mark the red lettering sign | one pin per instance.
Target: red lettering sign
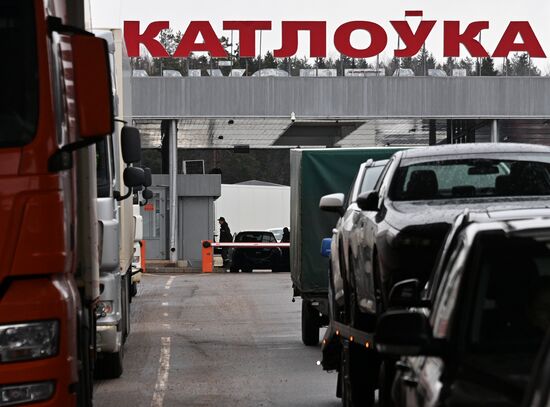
(518, 37)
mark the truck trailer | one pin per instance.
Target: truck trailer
(313, 174)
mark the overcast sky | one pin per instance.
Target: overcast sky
(112, 13)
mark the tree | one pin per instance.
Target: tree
(467, 64)
(320, 63)
(391, 67)
(449, 65)
(269, 61)
(343, 63)
(488, 67)
(170, 41)
(520, 65)
(422, 62)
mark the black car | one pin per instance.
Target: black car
(406, 217)
(247, 259)
(473, 335)
(538, 394)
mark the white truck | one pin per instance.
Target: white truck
(117, 225)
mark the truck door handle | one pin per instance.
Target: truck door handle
(410, 381)
(402, 366)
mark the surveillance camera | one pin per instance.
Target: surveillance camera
(292, 117)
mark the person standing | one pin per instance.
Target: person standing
(285, 257)
(225, 237)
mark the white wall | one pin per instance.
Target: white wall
(252, 207)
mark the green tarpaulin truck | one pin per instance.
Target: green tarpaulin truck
(313, 174)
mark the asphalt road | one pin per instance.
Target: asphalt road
(217, 340)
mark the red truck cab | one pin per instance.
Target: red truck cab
(46, 113)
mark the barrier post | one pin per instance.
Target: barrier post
(142, 255)
(207, 256)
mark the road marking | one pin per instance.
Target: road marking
(162, 376)
(165, 314)
(169, 283)
(164, 304)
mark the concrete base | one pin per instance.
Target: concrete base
(166, 267)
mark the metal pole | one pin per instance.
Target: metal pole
(494, 131)
(433, 133)
(479, 60)
(173, 191)
(260, 59)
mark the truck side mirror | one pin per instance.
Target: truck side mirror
(368, 201)
(333, 203)
(148, 178)
(130, 141)
(147, 194)
(92, 86)
(133, 177)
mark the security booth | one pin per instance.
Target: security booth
(195, 216)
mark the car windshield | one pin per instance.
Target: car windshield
(256, 237)
(470, 178)
(512, 304)
(18, 73)
(371, 178)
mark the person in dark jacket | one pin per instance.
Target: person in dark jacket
(286, 236)
(285, 258)
(225, 237)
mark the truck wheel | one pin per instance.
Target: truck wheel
(387, 375)
(109, 365)
(310, 324)
(358, 376)
(85, 372)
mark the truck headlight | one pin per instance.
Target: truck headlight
(17, 394)
(27, 341)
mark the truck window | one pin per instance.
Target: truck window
(19, 74)
(103, 170)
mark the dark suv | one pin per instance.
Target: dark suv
(472, 337)
(247, 259)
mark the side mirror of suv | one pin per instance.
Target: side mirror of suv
(406, 333)
(333, 203)
(405, 294)
(368, 201)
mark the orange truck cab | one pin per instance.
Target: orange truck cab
(55, 105)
